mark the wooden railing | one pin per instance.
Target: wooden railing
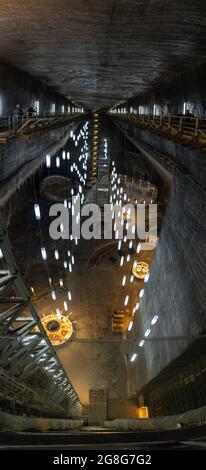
(21, 126)
(188, 130)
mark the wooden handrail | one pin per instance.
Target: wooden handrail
(187, 129)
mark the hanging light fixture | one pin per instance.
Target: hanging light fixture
(48, 161)
(141, 293)
(130, 326)
(126, 300)
(154, 320)
(37, 211)
(124, 280)
(44, 253)
(53, 294)
(134, 356)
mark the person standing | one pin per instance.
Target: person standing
(17, 115)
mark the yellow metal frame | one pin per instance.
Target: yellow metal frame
(63, 333)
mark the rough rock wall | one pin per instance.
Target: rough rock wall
(177, 285)
(17, 86)
(12, 423)
(186, 87)
(191, 162)
(19, 160)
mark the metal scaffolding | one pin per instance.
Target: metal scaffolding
(24, 345)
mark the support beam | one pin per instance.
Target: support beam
(24, 354)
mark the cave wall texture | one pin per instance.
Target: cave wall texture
(19, 160)
(177, 285)
(187, 87)
(17, 86)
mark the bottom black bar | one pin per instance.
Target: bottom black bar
(93, 458)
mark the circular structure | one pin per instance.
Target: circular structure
(140, 270)
(56, 188)
(53, 325)
(59, 330)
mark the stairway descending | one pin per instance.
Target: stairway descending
(103, 178)
(100, 191)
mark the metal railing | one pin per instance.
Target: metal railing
(188, 130)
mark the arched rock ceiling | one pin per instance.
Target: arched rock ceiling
(101, 52)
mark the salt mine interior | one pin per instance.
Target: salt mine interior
(102, 337)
